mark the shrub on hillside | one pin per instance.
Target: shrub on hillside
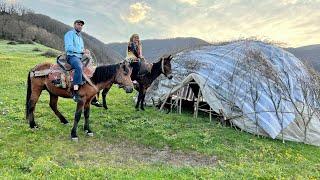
(50, 53)
(36, 49)
(25, 41)
(12, 43)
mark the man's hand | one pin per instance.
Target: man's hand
(86, 51)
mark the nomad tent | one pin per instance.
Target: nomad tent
(257, 86)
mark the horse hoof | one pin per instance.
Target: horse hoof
(74, 139)
(34, 128)
(90, 134)
(142, 109)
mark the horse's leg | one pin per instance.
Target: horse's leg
(104, 101)
(86, 126)
(138, 101)
(77, 116)
(140, 93)
(142, 99)
(98, 95)
(36, 92)
(53, 105)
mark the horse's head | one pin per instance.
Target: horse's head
(166, 66)
(123, 77)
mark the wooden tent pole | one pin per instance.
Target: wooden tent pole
(180, 100)
(197, 104)
(165, 100)
(210, 114)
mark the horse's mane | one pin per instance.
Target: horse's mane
(104, 73)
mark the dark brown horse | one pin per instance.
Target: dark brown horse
(103, 77)
(163, 66)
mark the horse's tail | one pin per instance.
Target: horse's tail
(28, 94)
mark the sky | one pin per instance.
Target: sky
(293, 22)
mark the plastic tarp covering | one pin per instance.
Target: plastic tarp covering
(225, 83)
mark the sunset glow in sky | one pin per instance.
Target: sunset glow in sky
(294, 22)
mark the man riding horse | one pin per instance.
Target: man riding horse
(74, 47)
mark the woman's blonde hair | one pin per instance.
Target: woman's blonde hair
(133, 36)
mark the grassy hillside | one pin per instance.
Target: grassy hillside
(129, 144)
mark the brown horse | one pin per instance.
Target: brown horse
(163, 66)
(103, 77)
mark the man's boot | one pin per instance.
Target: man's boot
(76, 97)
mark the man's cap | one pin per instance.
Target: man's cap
(79, 21)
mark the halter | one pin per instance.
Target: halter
(162, 65)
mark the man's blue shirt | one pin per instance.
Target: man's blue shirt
(73, 43)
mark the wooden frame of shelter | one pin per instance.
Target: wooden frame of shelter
(185, 92)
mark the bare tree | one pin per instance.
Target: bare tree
(252, 65)
(271, 84)
(310, 94)
(280, 89)
(3, 7)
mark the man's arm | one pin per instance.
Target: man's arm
(68, 42)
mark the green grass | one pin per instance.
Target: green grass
(123, 138)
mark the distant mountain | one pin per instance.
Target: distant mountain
(309, 54)
(153, 49)
(20, 24)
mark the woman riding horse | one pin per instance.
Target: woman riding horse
(163, 66)
(139, 72)
(135, 57)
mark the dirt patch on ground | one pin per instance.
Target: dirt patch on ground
(126, 153)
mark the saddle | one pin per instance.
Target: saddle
(146, 66)
(61, 73)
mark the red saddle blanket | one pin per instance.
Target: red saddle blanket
(63, 79)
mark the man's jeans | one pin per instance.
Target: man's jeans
(76, 64)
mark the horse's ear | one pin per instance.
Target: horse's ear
(170, 57)
(124, 67)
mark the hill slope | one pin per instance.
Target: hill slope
(50, 32)
(309, 54)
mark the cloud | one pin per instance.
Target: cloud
(11, 1)
(222, 21)
(137, 12)
(217, 20)
(191, 2)
(295, 2)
